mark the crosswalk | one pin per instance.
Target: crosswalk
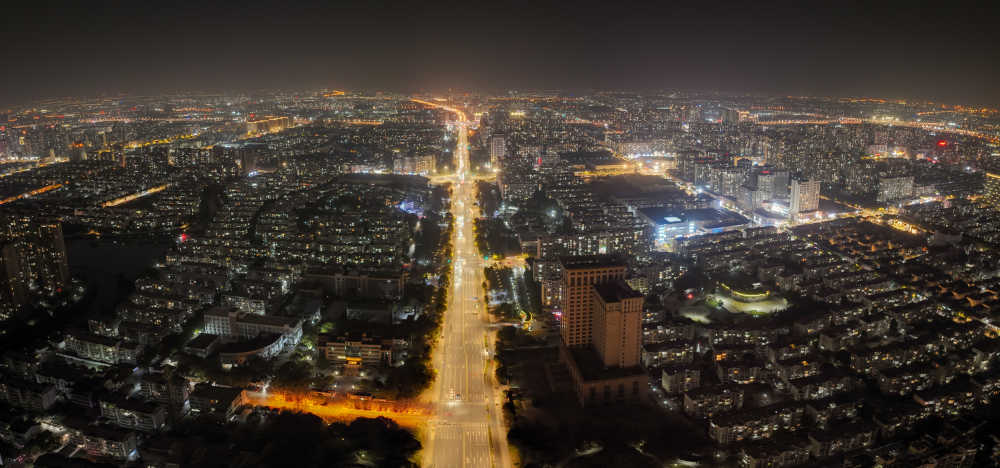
(462, 445)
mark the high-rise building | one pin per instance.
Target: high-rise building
(729, 181)
(249, 157)
(602, 331)
(32, 261)
(498, 148)
(805, 197)
(779, 183)
(53, 268)
(13, 282)
(750, 197)
(580, 274)
(617, 323)
(991, 189)
(772, 182)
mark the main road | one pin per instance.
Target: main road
(468, 429)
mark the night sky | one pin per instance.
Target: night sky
(943, 51)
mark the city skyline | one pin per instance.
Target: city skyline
(499, 236)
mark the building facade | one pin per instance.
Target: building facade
(805, 196)
(580, 274)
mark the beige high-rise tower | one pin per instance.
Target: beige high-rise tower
(580, 274)
(602, 331)
(617, 324)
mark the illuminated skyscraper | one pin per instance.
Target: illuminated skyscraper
(805, 197)
(498, 148)
(580, 274)
(991, 189)
(13, 283)
(617, 323)
(602, 331)
(34, 259)
(52, 271)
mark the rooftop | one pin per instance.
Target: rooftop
(709, 217)
(202, 341)
(591, 261)
(615, 291)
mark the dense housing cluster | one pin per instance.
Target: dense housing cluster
(778, 281)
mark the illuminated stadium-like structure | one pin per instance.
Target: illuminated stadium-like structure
(744, 293)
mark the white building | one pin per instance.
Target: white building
(805, 196)
(233, 324)
(498, 148)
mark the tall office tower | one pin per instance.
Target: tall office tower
(750, 197)
(779, 183)
(580, 274)
(248, 159)
(13, 279)
(498, 148)
(773, 182)
(34, 256)
(602, 331)
(991, 190)
(617, 323)
(730, 180)
(805, 197)
(53, 267)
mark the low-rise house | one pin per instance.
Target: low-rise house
(102, 441)
(18, 430)
(710, 401)
(821, 386)
(756, 424)
(667, 353)
(102, 349)
(133, 414)
(218, 401)
(27, 394)
(895, 418)
(679, 379)
(841, 439)
(173, 391)
(824, 412)
(745, 370)
(203, 345)
(779, 452)
(912, 378)
(360, 351)
(798, 367)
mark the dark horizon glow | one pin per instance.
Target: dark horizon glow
(928, 53)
